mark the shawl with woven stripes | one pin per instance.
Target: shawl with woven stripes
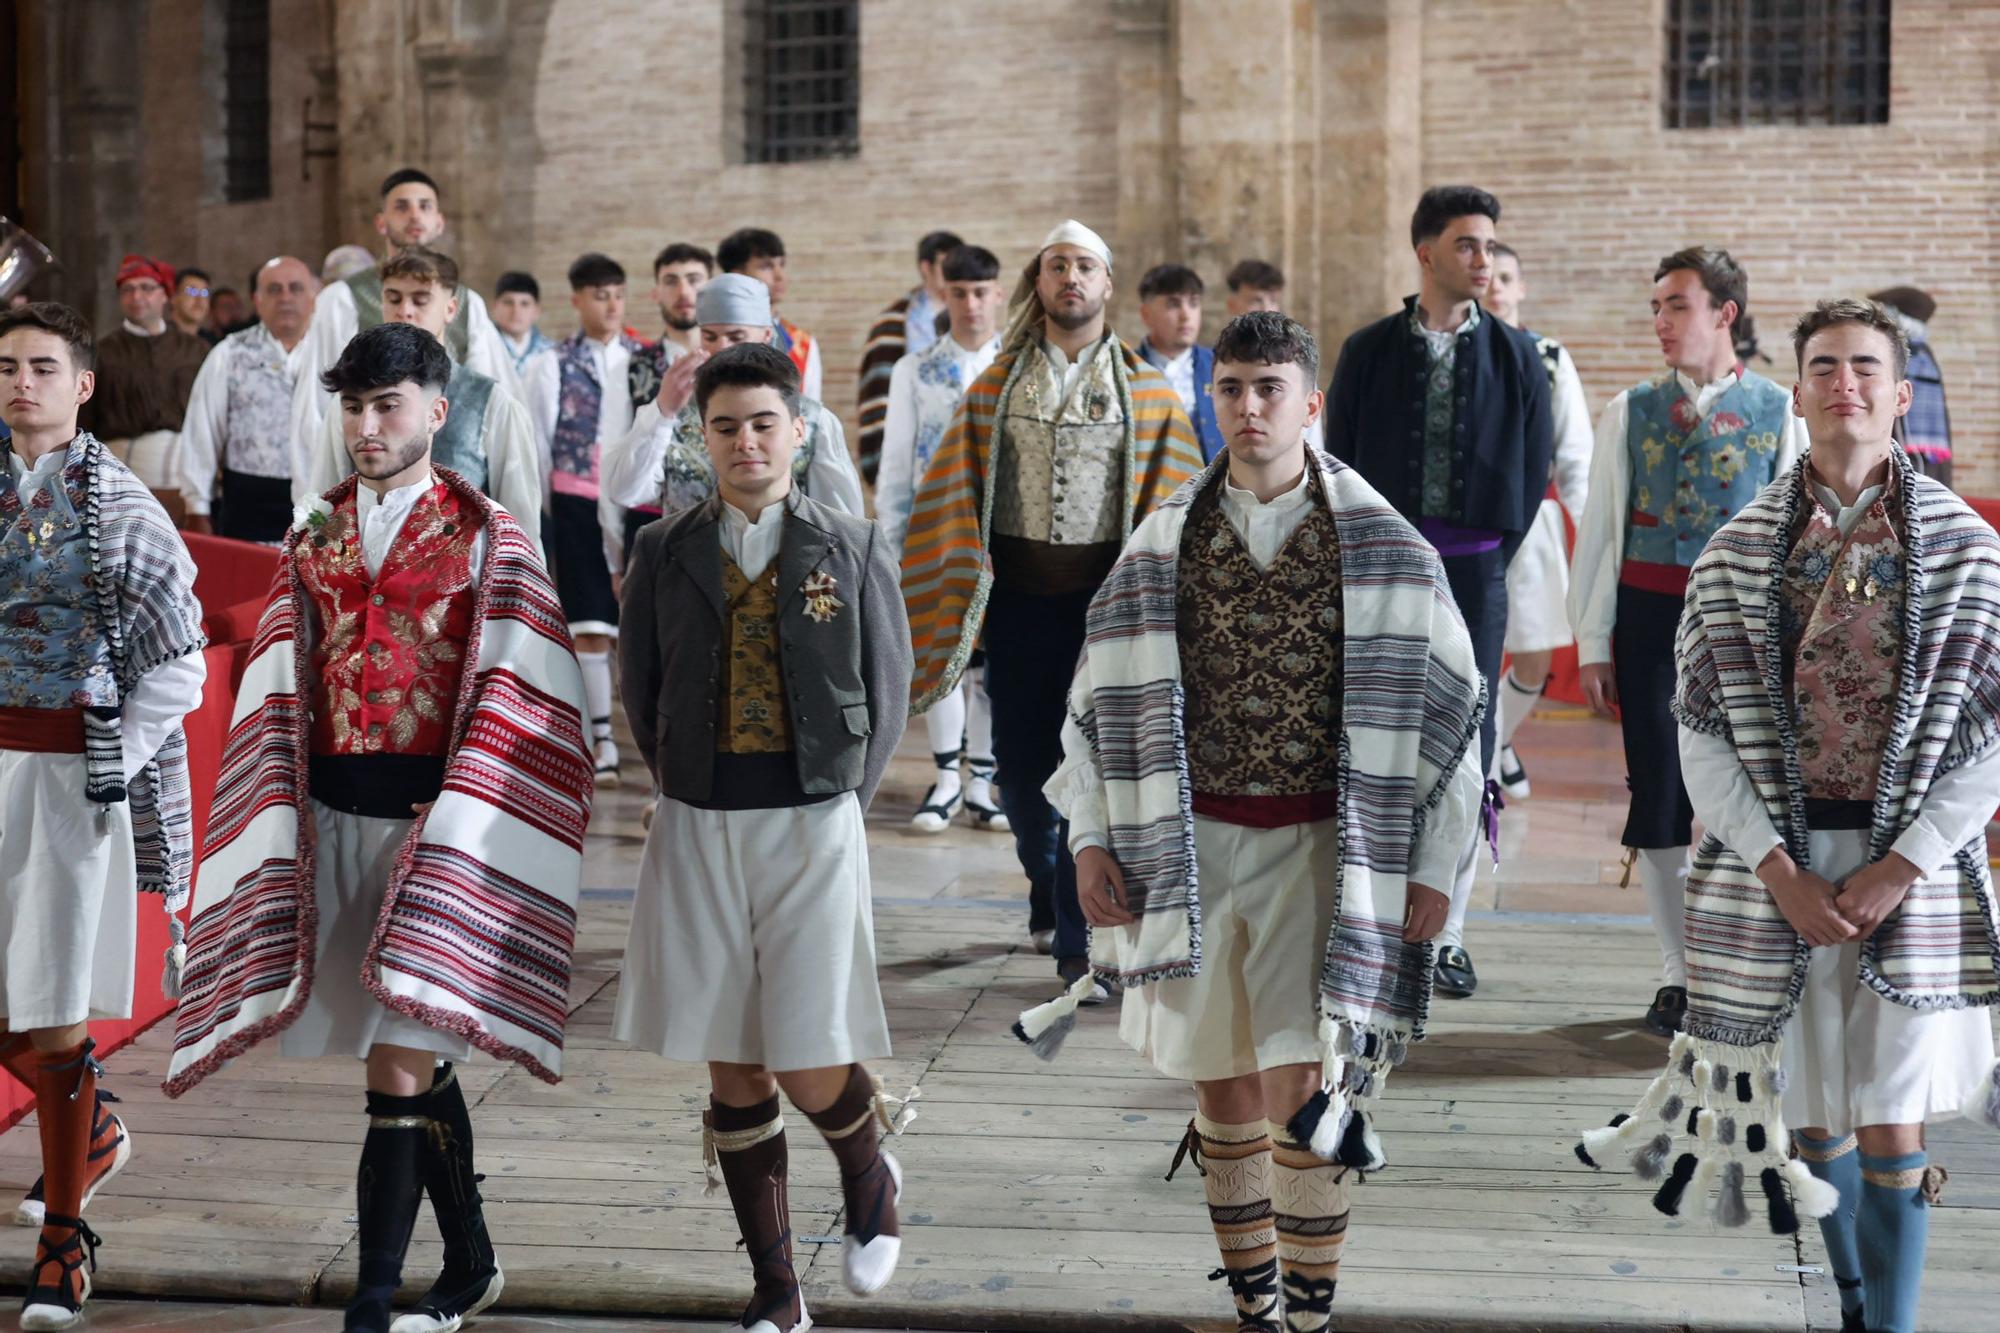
(479, 920)
(1411, 705)
(1746, 965)
(887, 341)
(947, 572)
(1715, 1111)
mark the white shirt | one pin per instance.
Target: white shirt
(1066, 371)
(920, 322)
(382, 518)
(335, 321)
(1569, 415)
(541, 385)
(1179, 372)
(209, 437)
(906, 421)
(514, 470)
(753, 546)
(1264, 525)
(139, 332)
(1600, 534)
(158, 700)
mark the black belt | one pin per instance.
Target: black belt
(253, 508)
(756, 782)
(1826, 816)
(378, 786)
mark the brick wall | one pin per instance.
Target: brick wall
(1554, 107)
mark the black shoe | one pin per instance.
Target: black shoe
(1453, 974)
(1670, 1006)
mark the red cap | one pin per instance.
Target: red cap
(138, 266)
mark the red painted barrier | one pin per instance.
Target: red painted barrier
(232, 582)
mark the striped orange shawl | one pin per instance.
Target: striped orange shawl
(947, 572)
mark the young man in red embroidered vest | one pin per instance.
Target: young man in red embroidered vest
(1676, 458)
(761, 254)
(766, 671)
(100, 659)
(1251, 659)
(392, 871)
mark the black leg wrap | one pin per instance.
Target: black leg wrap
(387, 1188)
(453, 1185)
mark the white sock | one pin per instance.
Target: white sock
(597, 692)
(1663, 871)
(1453, 934)
(978, 722)
(945, 723)
(1516, 702)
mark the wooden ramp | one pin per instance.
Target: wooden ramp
(1035, 1198)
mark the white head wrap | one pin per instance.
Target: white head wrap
(1072, 232)
(733, 298)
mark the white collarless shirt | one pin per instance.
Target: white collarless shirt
(1264, 525)
(754, 545)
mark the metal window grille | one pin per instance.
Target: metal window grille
(246, 100)
(803, 94)
(1775, 62)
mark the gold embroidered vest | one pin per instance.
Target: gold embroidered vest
(754, 718)
(1843, 635)
(1261, 658)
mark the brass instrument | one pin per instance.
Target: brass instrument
(22, 259)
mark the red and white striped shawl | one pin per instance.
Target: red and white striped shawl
(478, 926)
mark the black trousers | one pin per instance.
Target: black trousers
(1032, 644)
(253, 509)
(1479, 586)
(1642, 666)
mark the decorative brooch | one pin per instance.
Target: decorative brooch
(819, 589)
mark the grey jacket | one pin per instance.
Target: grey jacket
(847, 678)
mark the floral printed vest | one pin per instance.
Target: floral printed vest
(390, 652)
(1260, 657)
(53, 650)
(1692, 474)
(1842, 622)
(580, 398)
(260, 406)
(755, 719)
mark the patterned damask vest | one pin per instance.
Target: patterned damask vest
(580, 399)
(755, 717)
(260, 406)
(1260, 657)
(1691, 474)
(366, 288)
(1842, 626)
(390, 653)
(461, 445)
(53, 650)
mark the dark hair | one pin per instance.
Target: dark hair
(595, 270)
(1170, 280)
(1507, 251)
(1850, 310)
(59, 319)
(936, 245)
(513, 280)
(1257, 275)
(388, 354)
(1269, 338)
(422, 264)
(1720, 277)
(747, 366)
(744, 244)
(680, 252)
(192, 272)
(1442, 203)
(408, 176)
(971, 263)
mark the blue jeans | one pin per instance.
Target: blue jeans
(1032, 643)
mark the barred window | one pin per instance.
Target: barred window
(1775, 62)
(246, 100)
(802, 59)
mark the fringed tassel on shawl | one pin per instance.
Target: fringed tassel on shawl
(1046, 1026)
(1711, 1121)
(1338, 1123)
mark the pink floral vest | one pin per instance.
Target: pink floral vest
(1843, 635)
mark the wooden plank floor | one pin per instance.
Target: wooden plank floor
(1035, 1196)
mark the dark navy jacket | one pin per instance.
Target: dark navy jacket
(1205, 427)
(1375, 420)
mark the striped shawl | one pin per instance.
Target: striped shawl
(1411, 706)
(947, 572)
(479, 921)
(887, 341)
(1746, 965)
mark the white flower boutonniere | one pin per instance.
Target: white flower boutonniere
(819, 589)
(313, 513)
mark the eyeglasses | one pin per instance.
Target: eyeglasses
(194, 291)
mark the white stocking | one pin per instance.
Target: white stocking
(1664, 871)
(597, 692)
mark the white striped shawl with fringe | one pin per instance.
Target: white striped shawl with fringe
(1712, 1117)
(1411, 704)
(478, 925)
